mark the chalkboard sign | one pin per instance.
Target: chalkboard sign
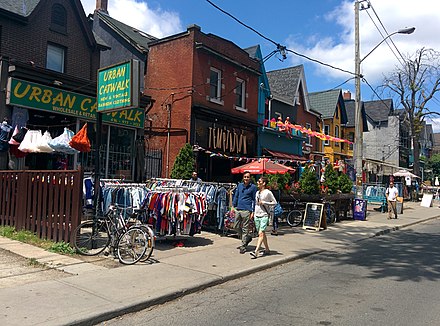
(313, 216)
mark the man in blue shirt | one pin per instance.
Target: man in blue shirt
(244, 202)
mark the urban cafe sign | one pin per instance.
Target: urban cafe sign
(35, 96)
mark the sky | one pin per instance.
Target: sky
(322, 30)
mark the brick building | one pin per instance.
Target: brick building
(206, 93)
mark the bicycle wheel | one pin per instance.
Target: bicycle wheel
(294, 218)
(150, 241)
(330, 215)
(132, 245)
(91, 237)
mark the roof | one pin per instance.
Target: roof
(252, 51)
(134, 36)
(350, 109)
(20, 7)
(326, 102)
(285, 82)
(379, 110)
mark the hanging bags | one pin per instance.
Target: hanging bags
(80, 141)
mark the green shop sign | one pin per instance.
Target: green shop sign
(118, 86)
(36, 96)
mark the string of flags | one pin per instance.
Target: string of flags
(245, 159)
(288, 127)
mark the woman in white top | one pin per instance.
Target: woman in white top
(264, 201)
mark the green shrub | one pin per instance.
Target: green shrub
(331, 179)
(184, 164)
(309, 183)
(345, 184)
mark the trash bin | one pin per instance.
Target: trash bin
(399, 207)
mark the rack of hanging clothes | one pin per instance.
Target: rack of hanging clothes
(217, 197)
(175, 210)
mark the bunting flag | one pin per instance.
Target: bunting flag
(287, 127)
(248, 159)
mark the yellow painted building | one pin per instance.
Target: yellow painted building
(330, 104)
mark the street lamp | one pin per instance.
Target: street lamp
(357, 100)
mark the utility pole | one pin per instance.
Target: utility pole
(357, 105)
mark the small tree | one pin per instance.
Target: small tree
(184, 164)
(331, 179)
(345, 185)
(279, 181)
(308, 181)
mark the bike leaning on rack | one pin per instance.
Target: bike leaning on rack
(128, 243)
(293, 213)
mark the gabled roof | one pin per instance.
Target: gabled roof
(286, 81)
(132, 35)
(24, 8)
(350, 109)
(379, 110)
(326, 102)
(19, 7)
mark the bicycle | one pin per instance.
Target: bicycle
(329, 211)
(128, 243)
(294, 216)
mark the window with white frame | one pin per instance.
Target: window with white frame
(337, 135)
(55, 58)
(215, 82)
(308, 137)
(240, 95)
(326, 132)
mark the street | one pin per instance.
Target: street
(386, 280)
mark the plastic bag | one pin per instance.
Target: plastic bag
(43, 143)
(30, 141)
(80, 141)
(61, 143)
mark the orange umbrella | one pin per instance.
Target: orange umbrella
(262, 166)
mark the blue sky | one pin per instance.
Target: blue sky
(320, 29)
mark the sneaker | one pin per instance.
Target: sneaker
(254, 255)
(242, 250)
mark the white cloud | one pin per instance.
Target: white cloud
(156, 22)
(338, 49)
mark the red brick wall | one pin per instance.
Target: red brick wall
(28, 42)
(177, 74)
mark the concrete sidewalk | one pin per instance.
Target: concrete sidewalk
(95, 293)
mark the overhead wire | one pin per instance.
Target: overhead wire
(280, 47)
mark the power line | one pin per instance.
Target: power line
(384, 36)
(282, 49)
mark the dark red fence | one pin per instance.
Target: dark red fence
(47, 203)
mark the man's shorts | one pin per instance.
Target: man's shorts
(261, 223)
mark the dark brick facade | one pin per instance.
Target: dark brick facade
(26, 39)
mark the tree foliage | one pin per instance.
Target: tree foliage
(309, 182)
(331, 179)
(434, 165)
(184, 164)
(412, 87)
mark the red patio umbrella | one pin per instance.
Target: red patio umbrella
(262, 166)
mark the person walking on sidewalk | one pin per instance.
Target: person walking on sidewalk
(264, 201)
(392, 194)
(244, 202)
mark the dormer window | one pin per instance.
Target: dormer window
(58, 22)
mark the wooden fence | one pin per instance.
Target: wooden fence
(47, 203)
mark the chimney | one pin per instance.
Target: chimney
(101, 5)
(347, 95)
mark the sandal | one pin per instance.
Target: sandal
(254, 255)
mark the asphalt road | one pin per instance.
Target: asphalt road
(387, 280)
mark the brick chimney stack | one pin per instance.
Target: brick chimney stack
(347, 95)
(101, 5)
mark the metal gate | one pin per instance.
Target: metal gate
(153, 163)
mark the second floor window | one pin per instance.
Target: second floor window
(308, 137)
(55, 58)
(240, 95)
(337, 135)
(215, 82)
(326, 132)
